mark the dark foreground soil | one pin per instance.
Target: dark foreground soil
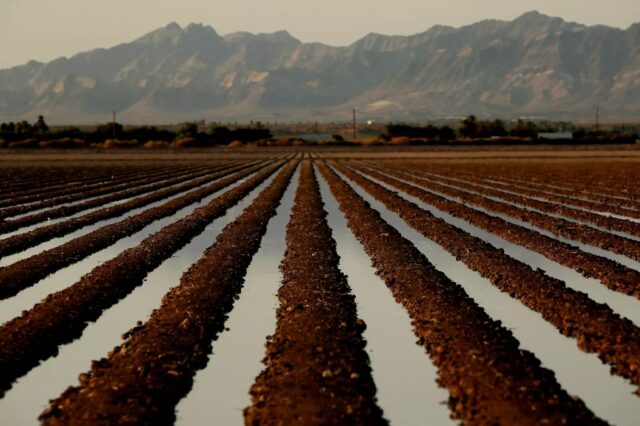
(574, 198)
(62, 181)
(565, 211)
(20, 242)
(106, 187)
(27, 272)
(108, 195)
(316, 365)
(317, 370)
(62, 316)
(595, 326)
(142, 380)
(612, 274)
(490, 379)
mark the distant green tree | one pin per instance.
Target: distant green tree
(189, 129)
(108, 130)
(469, 127)
(497, 128)
(221, 135)
(446, 133)
(8, 127)
(429, 131)
(23, 127)
(415, 132)
(41, 126)
(524, 129)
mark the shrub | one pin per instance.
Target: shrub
(157, 145)
(400, 140)
(184, 142)
(24, 144)
(63, 143)
(115, 143)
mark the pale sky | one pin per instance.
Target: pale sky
(47, 29)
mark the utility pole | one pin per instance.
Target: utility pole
(113, 125)
(597, 117)
(355, 129)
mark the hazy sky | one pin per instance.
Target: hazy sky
(46, 29)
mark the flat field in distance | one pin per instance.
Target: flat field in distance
(379, 285)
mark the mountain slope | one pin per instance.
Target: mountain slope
(534, 65)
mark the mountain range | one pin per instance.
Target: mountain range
(533, 66)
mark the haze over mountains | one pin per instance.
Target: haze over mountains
(532, 66)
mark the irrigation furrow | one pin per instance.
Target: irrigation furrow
(60, 240)
(604, 210)
(595, 326)
(609, 397)
(559, 211)
(154, 367)
(557, 226)
(68, 210)
(41, 182)
(88, 194)
(317, 371)
(26, 299)
(613, 275)
(621, 304)
(578, 192)
(61, 317)
(398, 364)
(222, 386)
(19, 242)
(489, 378)
(67, 189)
(565, 199)
(29, 271)
(31, 393)
(594, 177)
(99, 188)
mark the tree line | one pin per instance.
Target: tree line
(189, 134)
(472, 128)
(23, 134)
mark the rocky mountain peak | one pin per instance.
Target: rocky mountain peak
(533, 24)
(535, 65)
(170, 33)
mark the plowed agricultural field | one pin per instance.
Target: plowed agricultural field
(318, 287)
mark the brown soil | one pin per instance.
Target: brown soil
(612, 274)
(595, 326)
(71, 187)
(317, 370)
(106, 188)
(19, 242)
(567, 229)
(29, 181)
(316, 367)
(581, 216)
(62, 316)
(154, 368)
(568, 199)
(606, 176)
(132, 189)
(565, 188)
(490, 379)
(26, 272)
